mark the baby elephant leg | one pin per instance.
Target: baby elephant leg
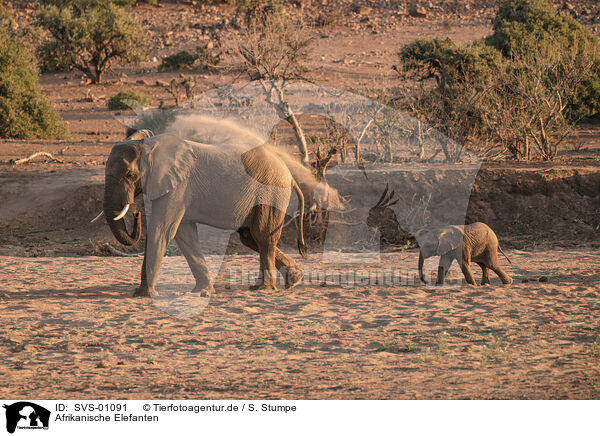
(506, 279)
(485, 273)
(494, 265)
(444, 267)
(466, 269)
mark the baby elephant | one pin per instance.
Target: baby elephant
(474, 242)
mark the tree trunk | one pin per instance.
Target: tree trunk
(299, 134)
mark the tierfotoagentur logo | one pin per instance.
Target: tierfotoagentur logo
(218, 171)
(25, 415)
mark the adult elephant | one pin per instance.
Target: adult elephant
(227, 186)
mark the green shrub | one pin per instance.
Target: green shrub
(24, 111)
(522, 27)
(526, 25)
(450, 63)
(128, 100)
(182, 60)
(88, 36)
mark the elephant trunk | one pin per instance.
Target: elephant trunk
(119, 229)
(114, 212)
(421, 267)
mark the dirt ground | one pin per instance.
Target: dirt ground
(70, 329)
(66, 332)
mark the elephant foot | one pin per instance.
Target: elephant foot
(206, 291)
(293, 277)
(145, 292)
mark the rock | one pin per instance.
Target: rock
(418, 11)
(103, 364)
(162, 83)
(543, 279)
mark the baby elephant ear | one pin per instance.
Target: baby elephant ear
(167, 160)
(449, 239)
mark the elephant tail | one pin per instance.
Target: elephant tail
(300, 218)
(500, 250)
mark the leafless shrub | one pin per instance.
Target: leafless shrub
(452, 121)
(417, 213)
(182, 89)
(527, 108)
(209, 54)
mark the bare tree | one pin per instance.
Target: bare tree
(272, 48)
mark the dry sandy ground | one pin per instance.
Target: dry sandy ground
(65, 336)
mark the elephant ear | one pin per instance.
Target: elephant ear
(166, 161)
(450, 239)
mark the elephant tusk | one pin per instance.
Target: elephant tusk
(122, 214)
(97, 218)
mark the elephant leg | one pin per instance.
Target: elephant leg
(466, 270)
(444, 267)
(162, 228)
(265, 229)
(485, 273)
(494, 265)
(143, 288)
(506, 279)
(267, 279)
(288, 268)
(189, 244)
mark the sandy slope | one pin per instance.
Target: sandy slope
(69, 329)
